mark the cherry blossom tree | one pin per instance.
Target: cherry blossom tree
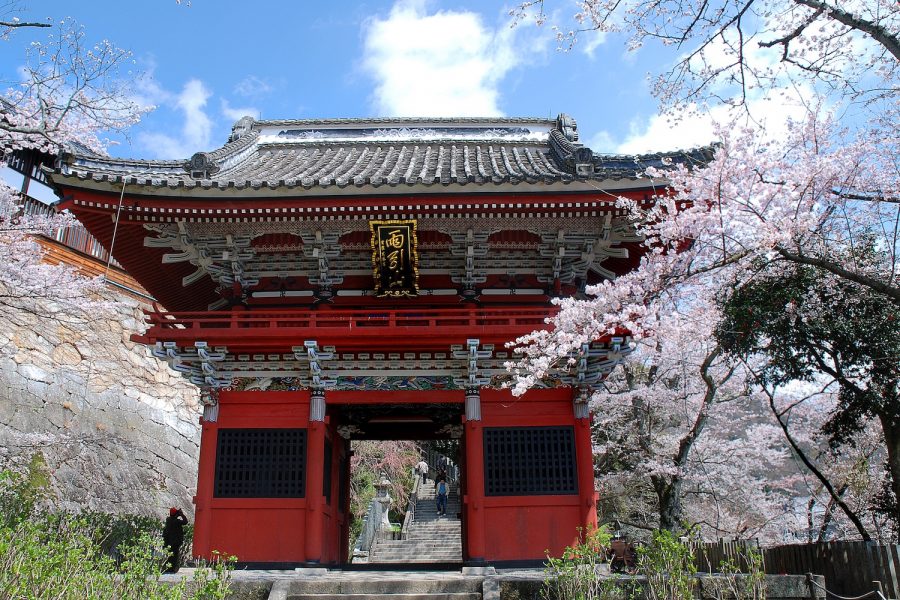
(840, 487)
(69, 92)
(811, 326)
(728, 51)
(821, 194)
(679, 442)
(371, 458)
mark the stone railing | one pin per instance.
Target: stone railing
(376, 522)
(370, 529)
(411, 505)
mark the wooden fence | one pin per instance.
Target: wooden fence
(849, 568)
(709, 556)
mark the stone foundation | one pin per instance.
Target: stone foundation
(114, 429)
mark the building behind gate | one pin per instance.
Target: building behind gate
(330, 280)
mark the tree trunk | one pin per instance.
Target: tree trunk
(890, 424)
(670, 510)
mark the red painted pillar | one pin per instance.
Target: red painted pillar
(474, 498)
(205, 482)
(584, 456)
(344, 483)
(315, 463)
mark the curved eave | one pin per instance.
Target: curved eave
(232, 190)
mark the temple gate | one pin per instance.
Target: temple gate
(331, 280)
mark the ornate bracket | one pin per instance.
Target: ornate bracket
(198, 364)
(309, 353)
(323, 248)
(223, 258)
(471, 246)
(472, 355)
(555, 247)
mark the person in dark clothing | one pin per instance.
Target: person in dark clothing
(441, 476)
(173, 537)
(441, 488)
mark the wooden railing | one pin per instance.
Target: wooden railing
(75, 236)
(526, 319)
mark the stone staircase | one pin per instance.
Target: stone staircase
(390, 586)
(431, 538)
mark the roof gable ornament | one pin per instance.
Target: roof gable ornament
(241, 128)
(578, 159)
(584, 162)
(201, 166)
(567, 126)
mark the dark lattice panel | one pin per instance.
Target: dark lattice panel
(529, 461)
(326, 474)
(260, 463)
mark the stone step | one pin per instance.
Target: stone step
(413, 552)
(450, 517)
(403, 560)
(429, 555)
(416, 558)
(423, 554)
(366, 596)
(417, 553)
(431, 538)
(419, 543)
(417, 550)
(381, 587)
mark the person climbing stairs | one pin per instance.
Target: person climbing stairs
(431, 537)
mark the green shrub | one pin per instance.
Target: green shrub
(741, 577)
(69, 557)
(668, 565)
(576, 574)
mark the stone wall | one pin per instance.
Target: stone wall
(117, 430)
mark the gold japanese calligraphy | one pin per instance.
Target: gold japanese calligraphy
(395, 258)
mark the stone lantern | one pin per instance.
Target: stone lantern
(383, 497)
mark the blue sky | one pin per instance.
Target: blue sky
(207, 63)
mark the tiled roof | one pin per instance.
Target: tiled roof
(379, 153)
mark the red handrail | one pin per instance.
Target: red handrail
(348, 319)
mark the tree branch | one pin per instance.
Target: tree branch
(17, 24)
(890, 41)
(684, 447)
(808, 463)
(867, 198)
(892, 292)
(786, 39)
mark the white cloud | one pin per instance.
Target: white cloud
(145, 89)
(601, 142)
(233, 114)
(771, 107)
(589, 41)
(441, 64)
(696, 127)
(252, 87)
(197, 128)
